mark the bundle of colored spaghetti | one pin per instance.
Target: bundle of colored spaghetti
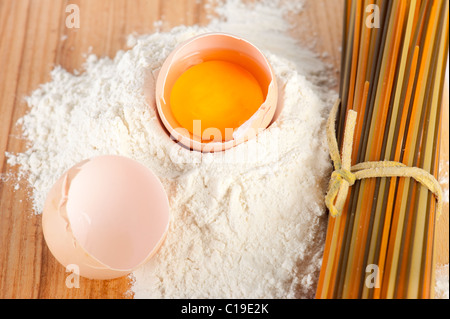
(394, 56)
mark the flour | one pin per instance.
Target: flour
(443, 179)
(246, 223)
(442, 284)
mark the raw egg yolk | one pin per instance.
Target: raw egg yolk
(221, 94)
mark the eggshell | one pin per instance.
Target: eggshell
(210, 46)
(107, 215)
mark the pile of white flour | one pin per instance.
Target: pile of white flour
(246, 223)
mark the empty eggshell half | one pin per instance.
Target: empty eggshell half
(207, 47)
(107, 215)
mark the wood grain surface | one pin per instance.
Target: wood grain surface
(33, 40)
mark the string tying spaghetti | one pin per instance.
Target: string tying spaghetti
(345, 175)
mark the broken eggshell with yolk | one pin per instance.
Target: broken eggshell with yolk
(216, 46)
(107, 216)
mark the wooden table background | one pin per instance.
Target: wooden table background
(33, 39)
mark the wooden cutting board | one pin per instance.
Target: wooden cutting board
(33, 39)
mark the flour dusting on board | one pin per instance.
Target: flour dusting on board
(442, 283)
(241, 227)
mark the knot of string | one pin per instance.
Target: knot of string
(345, 175)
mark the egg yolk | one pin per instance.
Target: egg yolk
(221, 94)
